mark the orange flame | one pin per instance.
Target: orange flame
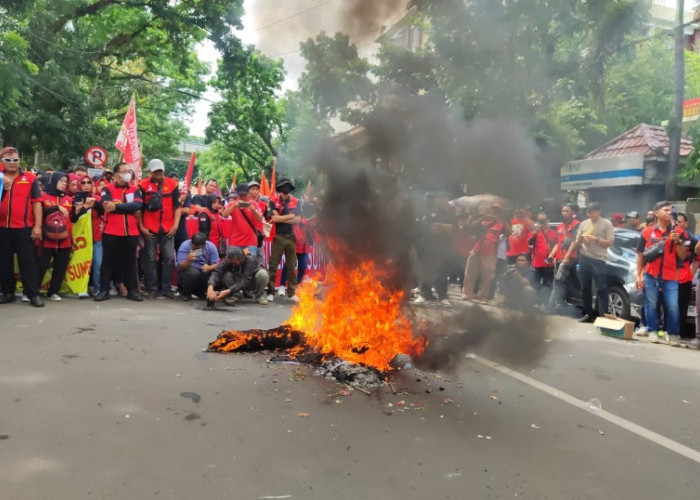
(358, 319)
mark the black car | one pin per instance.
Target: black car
(621, 266)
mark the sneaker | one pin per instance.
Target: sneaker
(25, 299)
(263, 301)
(674, 340)
(445, 302)
(281, 292)
(169, 295)
(641, 331)
(270, 297)
(694, 343)
(55, 297)
(294, 298)
(419, 300)
(663, 337)
(653, 337)
(152, 295)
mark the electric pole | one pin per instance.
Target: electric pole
(675, 125)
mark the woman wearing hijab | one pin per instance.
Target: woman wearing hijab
(206, 208)
(54, 251)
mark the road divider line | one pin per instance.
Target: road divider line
(643, 432)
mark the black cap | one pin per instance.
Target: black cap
(593, 206)
(242, 188)
(282, 181)
(633, 215)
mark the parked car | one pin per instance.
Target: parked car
(621, 266)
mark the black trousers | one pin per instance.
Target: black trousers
(193, 281)
(119, 253)
(19, 242)
(60, 257)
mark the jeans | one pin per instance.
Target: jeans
(302, 260)
(651, 299)
(252, 250)
(589, 270)
(167, 257)
(97, 253)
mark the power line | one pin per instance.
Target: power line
(292, 16)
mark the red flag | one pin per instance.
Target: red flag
(273, 178)
(128, 139)
(264, 186)
(190, 171)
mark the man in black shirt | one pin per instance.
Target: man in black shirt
(285, 212)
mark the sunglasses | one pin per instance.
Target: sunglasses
(10, 160)
(85, 182)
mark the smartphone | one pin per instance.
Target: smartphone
(243, 204)
(198, 252)
(80, 196)
(674, 213)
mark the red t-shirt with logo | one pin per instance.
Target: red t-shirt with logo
(519, 237)
(16, 207)
(667, 266)
(242, 234)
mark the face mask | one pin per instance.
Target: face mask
(126, 177)
(285, 189)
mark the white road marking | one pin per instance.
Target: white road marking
(643, 432)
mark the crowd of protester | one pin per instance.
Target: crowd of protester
(141, 243)
(142, 246)
(525, 261)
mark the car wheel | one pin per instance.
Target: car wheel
(618, 302)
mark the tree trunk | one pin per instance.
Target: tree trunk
(675, 126)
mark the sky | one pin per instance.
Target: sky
(277, 28)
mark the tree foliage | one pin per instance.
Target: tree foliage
(249, 120)
(71, 66)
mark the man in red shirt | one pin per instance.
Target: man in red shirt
(565, 275)
(20, 226)
(542, 241)
(158, 222)
(482, 259)
(660, 271)
(120, 201)
(246, 221)
(521, 231)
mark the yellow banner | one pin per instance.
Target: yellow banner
(77, 276)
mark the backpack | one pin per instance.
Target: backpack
(55, 226)
(204, 223)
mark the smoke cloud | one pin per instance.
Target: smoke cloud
(371, 203)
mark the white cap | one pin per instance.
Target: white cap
(155, 164)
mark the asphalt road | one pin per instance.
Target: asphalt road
(118, 400)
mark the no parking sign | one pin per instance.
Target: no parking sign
(96, 156)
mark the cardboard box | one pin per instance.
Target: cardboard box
(615, 327)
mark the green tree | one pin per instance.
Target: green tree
(83, 59)
(336, 80)
(249, 120)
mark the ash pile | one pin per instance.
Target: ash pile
(288, 347)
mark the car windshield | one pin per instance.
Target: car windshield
(626, 239)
